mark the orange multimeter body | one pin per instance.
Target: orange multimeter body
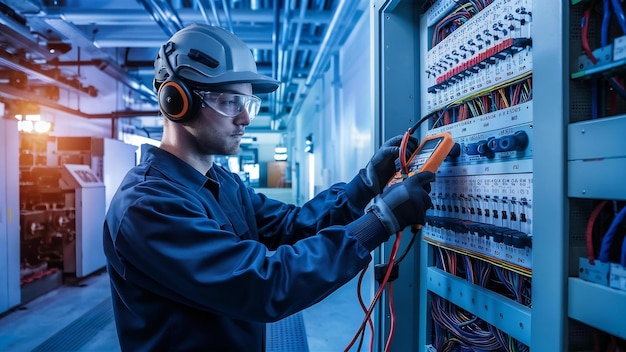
(428, 156)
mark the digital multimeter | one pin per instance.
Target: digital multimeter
(428, 156)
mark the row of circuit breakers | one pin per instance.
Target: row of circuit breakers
(478, 82)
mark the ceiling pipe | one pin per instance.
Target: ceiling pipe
(280, 59)
(202, 5)
(214, 10)
(275, 43)
(164, 15)
(139, 17)
(296, 44)
(229, 20)
(284, 38)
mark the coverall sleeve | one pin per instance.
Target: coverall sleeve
(169, 245)
(279, 223)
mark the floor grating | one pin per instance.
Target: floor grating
(286, 335)
(80, 331)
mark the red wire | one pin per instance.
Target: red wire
(392, 258)
(585, 41)
(516, 93)
(392, 312)
(589, 230)
(403, 145)
(446, 117)
(364, 308)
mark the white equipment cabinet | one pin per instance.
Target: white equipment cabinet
(87, 255)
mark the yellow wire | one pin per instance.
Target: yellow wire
(497, 262)
(504, 98)
(491, 89)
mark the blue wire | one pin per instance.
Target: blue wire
(465, 323)
(619, 13)
(606, 20)
(608, 237)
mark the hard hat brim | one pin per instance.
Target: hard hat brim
(260, 83)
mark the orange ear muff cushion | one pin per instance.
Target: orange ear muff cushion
(174, 100)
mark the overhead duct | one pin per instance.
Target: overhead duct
(15, 32)
(47, 77)
(87, 46)
(116, 72)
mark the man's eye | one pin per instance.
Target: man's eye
(226, 103)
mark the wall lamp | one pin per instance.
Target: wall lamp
(308, 143)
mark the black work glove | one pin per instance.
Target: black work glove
(404, 203)
(381, 168)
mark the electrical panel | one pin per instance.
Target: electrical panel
(477, 79)
(527, 224)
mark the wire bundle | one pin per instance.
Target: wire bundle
(505, 95)
(611, 86)
(465, 10)
(368, 311)
(456, 329)
(516, 284)
(468, 329)
(609, 237)
(609, 222)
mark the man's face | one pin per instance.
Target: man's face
(216, 133)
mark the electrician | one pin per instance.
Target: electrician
(197, 260)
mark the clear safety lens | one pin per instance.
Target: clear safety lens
(231, 104)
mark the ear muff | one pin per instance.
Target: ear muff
(177, 101)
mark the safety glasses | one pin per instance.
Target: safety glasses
(231, 104)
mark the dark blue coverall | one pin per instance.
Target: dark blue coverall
(201, 262)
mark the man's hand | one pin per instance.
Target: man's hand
(404, 203)
(383, 166)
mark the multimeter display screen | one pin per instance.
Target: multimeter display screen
(422, 156)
